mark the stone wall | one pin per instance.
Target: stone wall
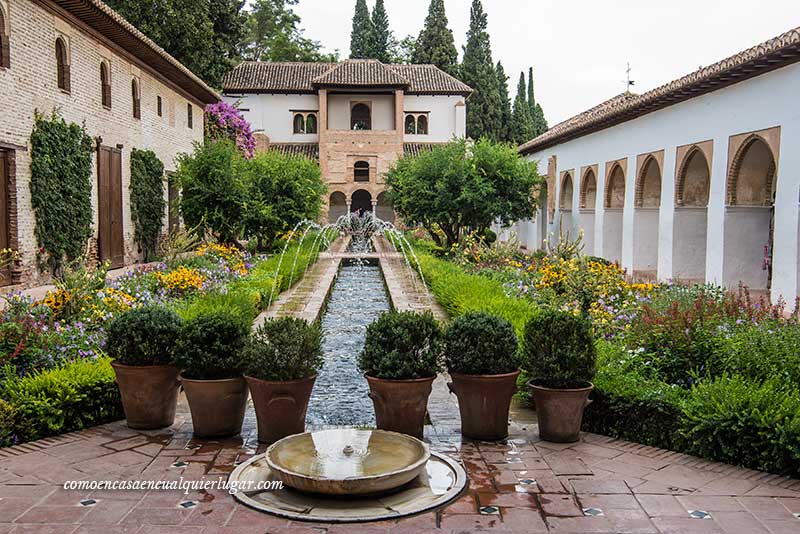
(30, 84)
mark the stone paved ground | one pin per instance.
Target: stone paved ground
(521, 485)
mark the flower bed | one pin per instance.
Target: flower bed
(694, 369)
(54, 374)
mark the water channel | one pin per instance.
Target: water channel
(340, 396)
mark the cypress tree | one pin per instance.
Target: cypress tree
(435, 44)
(381, 38)
(361, 35)
(484, 107)
(504, 132)
(537, 115)
(522, 128)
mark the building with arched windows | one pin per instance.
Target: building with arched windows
(357, 117)
(84, 60)
(697, 180)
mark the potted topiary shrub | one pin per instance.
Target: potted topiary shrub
(209, 351)
(280, 363)
(142, 341)
(480, 353)
(400, 361)
(559, 355)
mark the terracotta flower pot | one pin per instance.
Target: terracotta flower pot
(483, 401)
(400, 405)
(217, 406)
(149, 394)
(280, 406)
(560, 412)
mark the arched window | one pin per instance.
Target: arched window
(411, 125)
(694, 180)
(589, 190)
(360, 117)
(565, 202)
(422, 125)
(189, 116)
(752, 173)
(299, 123)
(311, 123)
(648, 188)
(105, 82)
(62, 65)
(361, 171)
(5, 48)
(615, 193)
(137, 100)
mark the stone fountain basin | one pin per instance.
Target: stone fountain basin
(347, 461)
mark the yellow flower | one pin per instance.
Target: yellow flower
(181, 279)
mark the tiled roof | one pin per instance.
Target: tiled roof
(264, 77)
(360, 73)
(309, 150)
(110, 24)
(415, 149)
(760, 59)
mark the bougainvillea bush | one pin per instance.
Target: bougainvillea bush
(224, 121)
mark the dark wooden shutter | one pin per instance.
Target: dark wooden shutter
(5, 51)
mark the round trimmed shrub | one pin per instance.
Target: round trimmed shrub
(558, 350)
(143, 336)
(479, 343)
(283, 349)
(402, 346)
(210, 346)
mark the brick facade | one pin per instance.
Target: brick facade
(30, 84)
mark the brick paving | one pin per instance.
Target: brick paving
(523, 484)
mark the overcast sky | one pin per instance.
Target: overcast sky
(579, 49)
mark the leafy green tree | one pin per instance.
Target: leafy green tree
(361, 35)
(282, 190)
(403, 50)
(382, 41)
(537, 114)
(273, 34)
(484, 107)
(201, 35)
(213, 189)
(504, 131)
(435, 44)
(522, 128)
(147, 200)
(463, 186)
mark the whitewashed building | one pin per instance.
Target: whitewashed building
(696, 180)
(357, 117)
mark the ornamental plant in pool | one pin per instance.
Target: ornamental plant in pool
(280, 362)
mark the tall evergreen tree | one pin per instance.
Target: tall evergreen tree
(435, 44)
(382, 40)
(522, 128)
(504, 132)
(361, 35)
(484, 107)
(536, 112)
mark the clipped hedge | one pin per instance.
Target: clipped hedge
(147, 200)
(74, 397)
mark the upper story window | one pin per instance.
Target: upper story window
(416, 123)
(360, 117)
(304, 123)
(189, 117)
(137, 99)
(62, 65)
(361, 171)
(5, 46)
(159, 109)
(105, 82)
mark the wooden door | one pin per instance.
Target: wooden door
(5, 274)
(109, 189)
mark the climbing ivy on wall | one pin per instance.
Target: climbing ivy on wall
(147, 200)
(61, 189)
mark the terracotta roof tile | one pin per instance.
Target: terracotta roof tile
(415, 149)
(309, 150)
(264, 77)
(760, 59)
